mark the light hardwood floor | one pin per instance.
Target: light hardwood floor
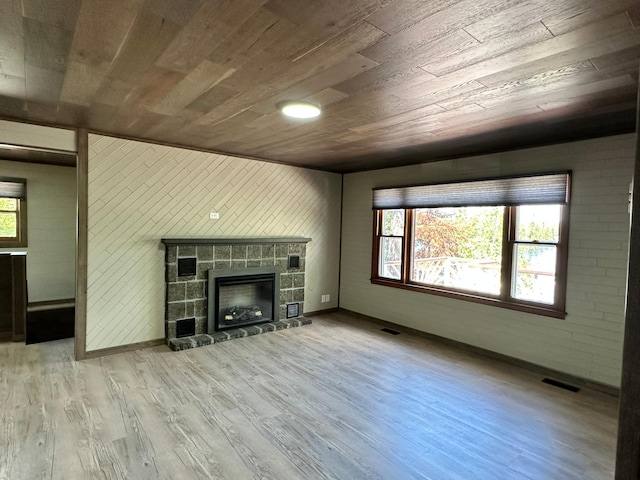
(337, 399)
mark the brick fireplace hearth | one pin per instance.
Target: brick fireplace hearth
(186, 293)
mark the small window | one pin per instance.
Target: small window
(13, 220)
(501, 242)
(535, 253)
(391, 244)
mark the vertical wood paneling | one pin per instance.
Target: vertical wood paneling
(139, 193)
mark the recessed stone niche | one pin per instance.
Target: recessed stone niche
(186, 296)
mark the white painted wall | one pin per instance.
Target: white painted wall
(588, 343)
(25, 134)
(140, 193)
(51, 228)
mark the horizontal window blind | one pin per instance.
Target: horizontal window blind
(550, 188)
(14, 188)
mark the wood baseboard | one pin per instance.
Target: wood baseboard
(51, 305)
(123, 348)
(10, 337)
(539, 369)
(320, 312)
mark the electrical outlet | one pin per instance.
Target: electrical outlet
(325, 298)
(214, 216)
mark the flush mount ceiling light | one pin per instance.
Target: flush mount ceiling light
(299, 109)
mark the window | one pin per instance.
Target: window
(498, 241)
(392, 244)
(13, 218)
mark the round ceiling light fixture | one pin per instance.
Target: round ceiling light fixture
(295, 109)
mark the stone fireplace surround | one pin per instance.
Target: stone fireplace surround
(186, 297)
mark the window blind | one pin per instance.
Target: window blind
(550, 188)
(13, 188)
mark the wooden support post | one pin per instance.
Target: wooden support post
(628, 450)
(81, 246)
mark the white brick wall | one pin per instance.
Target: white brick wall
(588, 342)
(140, 193)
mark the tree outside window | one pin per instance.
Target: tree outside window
(470, 246)
(459, 247)
(13, 222)
(9, 226)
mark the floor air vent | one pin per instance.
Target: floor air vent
(388, 330)
(558, 384)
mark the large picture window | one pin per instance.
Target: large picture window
(13, 221)
(497, 241)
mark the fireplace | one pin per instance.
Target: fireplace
(240, 298)
(192, 267)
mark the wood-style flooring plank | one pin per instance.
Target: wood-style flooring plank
(12, 49)
(197, 82)
(99, 36)
(335, 399)
(616, 25)
(456, 17)
(149, 36)
(351, 67)
(402, 15)
(621, 38)
(529, 35)
(321, 21)
(205, 31)
(46, 46)
(251, 39)
(178, 11)
(571, 75)
(61, 13)
(584, 12)
(337, 49)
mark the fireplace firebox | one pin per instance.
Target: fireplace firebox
(239, 298)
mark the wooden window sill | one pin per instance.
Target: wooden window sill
(471, 297)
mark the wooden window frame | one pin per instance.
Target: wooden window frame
(380, 235)
(21, 217)
(504, 299)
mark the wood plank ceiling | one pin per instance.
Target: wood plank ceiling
(399, 81)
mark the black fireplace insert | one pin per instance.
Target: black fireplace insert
(243, 297)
